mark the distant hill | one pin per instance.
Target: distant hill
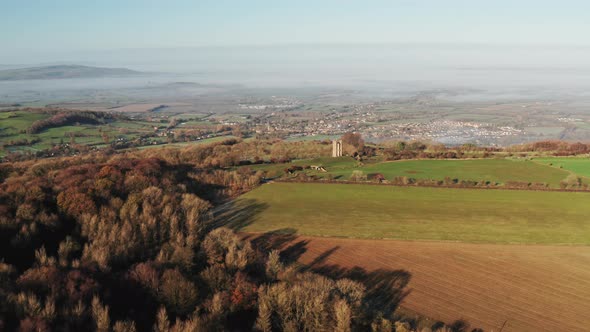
(63, 71)
(3, 67)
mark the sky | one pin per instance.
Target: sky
(441, 42)
(72, 25)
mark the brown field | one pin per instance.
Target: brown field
(525, 287)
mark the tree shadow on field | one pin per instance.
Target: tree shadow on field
(282, 239)
(385, 289)
(237, 214)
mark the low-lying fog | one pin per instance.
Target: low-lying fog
(459, 72)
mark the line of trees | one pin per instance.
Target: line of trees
(419, 150)
(571, 183)
(558, 148)
(68, 118)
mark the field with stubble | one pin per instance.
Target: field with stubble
(523, 288)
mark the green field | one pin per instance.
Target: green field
(413, 213)
(577, 165)
(494, 170)
(340, 164)
(13, 126)
(14, 122)
(186, 144)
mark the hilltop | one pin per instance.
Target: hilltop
(63, 71)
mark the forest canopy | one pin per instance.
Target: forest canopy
(128, 242)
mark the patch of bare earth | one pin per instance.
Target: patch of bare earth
(523, 287)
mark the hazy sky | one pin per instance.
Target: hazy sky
(434, 43)
(44, 26)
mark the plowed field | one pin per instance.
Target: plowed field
(525, 287)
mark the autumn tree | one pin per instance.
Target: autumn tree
(353, 143)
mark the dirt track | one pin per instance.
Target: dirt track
(531, 288)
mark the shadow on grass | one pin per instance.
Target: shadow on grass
(237, 214)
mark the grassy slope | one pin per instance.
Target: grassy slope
(185, 144)
(341, 164)
(12, 126)
(494, 170)
(13, 122)
(62, 71)
(364, 211)
(580, 166)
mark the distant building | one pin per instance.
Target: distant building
(337, 148)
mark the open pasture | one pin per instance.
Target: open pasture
(340, 164)
(415, 213)
(578, 165)
(494, 170)
(14, 124)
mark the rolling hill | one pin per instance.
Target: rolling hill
(63, 71)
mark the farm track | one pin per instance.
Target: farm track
(532, 287)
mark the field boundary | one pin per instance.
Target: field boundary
(428, 186)
(246, 234)
(564, 169)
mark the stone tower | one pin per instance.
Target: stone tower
(337, 148)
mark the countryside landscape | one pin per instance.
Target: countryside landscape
(388, 166)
